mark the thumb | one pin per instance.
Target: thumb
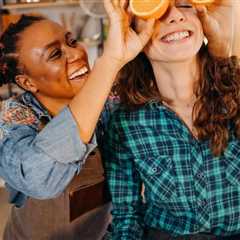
(147, 32)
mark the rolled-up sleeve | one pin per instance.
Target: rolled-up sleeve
(42, 164)
(61, 141)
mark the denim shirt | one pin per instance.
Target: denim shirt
(39, 155)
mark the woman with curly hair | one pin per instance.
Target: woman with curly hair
(172, 150)
(47, 140)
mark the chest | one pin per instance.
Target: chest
(173, 163)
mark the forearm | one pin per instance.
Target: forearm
(87, 105)
(121, 46)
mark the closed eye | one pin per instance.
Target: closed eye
(184, 6)
(55, 54)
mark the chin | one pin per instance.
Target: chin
(77, 86)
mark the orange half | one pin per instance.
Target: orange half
(149, 8)
(202, 1)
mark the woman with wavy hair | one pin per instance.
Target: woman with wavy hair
(172, 151)
(48, 155)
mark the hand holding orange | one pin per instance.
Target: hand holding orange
(221, 27)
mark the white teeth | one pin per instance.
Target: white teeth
(78, 73)
(176, 36)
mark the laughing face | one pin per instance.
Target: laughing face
(55, 64)
(178, 35)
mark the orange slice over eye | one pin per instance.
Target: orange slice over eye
(147, 9)
(202, 1)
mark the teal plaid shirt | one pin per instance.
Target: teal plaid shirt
(187, 189)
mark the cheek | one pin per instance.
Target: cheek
(56, 72)
(53, 78)
(200, 33)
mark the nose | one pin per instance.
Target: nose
(74, 54)
(174, 15)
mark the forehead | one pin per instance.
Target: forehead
(40, 34)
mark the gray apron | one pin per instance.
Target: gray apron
(81, 212)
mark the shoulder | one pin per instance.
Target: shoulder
(12, 111)
(14, 114)
(138, 115)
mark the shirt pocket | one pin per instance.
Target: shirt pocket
(158, 178)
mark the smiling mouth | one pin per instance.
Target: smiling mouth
(176, 36)
(79, 74)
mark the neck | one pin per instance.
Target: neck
(53, 105)
(176, 81)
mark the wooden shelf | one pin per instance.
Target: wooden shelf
(41, 4)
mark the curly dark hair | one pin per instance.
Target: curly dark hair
(8, 47)
(218, 95)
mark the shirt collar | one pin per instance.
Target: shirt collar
(31, 101)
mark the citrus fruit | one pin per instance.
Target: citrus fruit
(202, 1)
(149, 8)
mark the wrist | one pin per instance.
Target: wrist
(110, 62)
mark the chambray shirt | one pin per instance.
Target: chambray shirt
(38, 160)
(187, 189)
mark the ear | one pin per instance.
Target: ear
(26, 83)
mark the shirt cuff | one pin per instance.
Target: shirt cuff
(61, 141)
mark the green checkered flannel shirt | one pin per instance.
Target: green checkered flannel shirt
(187, 189)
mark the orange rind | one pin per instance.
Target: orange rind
(148, 9)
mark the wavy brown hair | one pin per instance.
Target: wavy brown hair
(218, 95)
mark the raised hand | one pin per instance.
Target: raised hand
(221, 26)
(123, 43)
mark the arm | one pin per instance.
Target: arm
(42, 164)
(122, 45)
(125, 188)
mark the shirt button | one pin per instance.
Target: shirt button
(154, 169)
(200, 175)
(196, 228)
(202, 202)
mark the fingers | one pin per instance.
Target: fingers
(108, 7)
(116, 3)
(115, 7)
(201, 11)
(204, 17)
(146, 33)
(124, 4)
(209, 24)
